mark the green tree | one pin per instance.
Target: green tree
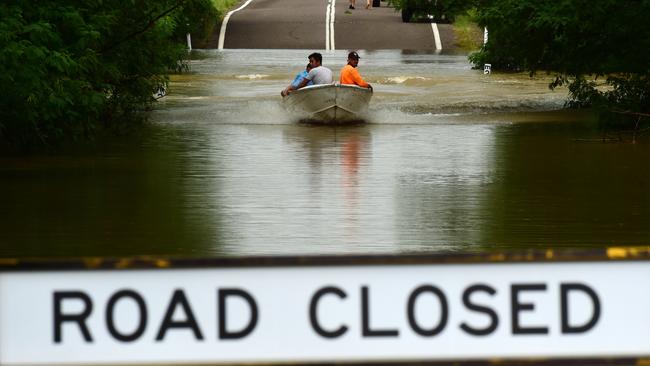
(197, 17)
(598, 48)
(70, 66)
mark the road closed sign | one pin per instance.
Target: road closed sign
(305, 311)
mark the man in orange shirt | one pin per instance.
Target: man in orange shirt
(350, 74)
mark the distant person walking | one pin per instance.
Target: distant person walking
(350, 74)
(319, 74)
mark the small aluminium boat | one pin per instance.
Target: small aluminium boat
(329, 103)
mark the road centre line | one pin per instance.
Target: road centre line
(222, 31)
(332, 19)
(436, 36)
(329, 25)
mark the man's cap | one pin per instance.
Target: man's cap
(353, 55)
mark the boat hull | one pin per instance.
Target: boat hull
(331, 103)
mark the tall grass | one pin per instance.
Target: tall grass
(469, 36)
(223, 6)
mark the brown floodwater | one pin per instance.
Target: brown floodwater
(449, 159)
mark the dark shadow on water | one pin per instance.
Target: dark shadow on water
(552, 190)
(117, 197)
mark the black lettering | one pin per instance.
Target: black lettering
(313, 318)
(224, 333)
(494, 318)
(110, 309)
(79, 318)
(365, 314)
(444, 310)
(179, 299)
(516, 307)
(564, 292)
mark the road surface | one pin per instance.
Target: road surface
(310, 24)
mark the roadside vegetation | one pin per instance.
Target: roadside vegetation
(71, 68)
(223, 6)
(469, 36)
(596, 48)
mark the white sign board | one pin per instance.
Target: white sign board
(326, 313)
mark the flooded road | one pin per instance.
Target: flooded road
(449, 159)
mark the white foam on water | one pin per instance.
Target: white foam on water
(233, 112)
(402, 79)
(252, 76)
(394, 115)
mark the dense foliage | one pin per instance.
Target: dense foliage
(71, 66)
(197, 17)
(597, 47)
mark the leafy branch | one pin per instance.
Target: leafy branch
(149, 25)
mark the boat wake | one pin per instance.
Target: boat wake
(406, 80)
(253, 112)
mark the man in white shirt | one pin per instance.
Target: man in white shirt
(319, 74)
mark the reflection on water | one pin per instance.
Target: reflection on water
(450, 159)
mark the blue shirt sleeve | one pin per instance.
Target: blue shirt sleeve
(296, 82)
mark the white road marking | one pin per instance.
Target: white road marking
(222, 32)
(327, 26)
(332, 19)
(436, 36)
